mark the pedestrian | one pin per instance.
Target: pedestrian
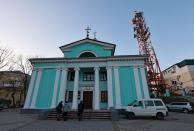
(66, 108)
(80, 110)
(59, 110)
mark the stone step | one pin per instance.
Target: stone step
(86, 115)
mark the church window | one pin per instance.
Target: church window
(79, 95)
(88, 76)
(71, 75)
(70, 99)
(87, 54)
(103, 76)
(66, 96)
(104, 96)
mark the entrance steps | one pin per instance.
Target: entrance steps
(88, 114)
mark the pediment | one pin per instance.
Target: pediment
(105, 45)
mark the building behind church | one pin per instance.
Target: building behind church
(13, 88)
(89, 72)
(180, 76)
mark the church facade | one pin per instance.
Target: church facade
(88, 72)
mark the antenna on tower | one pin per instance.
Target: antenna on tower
(141, 33)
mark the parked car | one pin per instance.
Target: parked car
(147, 107)
(179, 106)
(3, 106)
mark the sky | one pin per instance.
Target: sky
(39, 27)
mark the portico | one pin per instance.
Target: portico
(89, 87)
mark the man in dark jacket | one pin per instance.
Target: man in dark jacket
(80, 110)
(59, 110)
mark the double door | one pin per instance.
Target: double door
(87, 99)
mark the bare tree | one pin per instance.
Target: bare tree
(6, 56)
(23, 64)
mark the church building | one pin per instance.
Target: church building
(89, 72)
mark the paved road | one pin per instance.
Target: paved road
(174, 122)
(12, 120)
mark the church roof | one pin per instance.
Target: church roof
(95, 41)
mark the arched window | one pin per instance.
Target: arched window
(87, 54)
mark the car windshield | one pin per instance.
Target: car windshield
(132, 103)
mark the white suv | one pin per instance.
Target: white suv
(147, 107)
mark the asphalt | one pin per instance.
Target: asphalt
(12, 120)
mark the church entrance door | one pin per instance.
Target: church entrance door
(87, 99)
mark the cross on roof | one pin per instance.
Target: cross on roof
(87, 31)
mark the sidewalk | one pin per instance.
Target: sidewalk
(12, 120)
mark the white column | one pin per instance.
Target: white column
(75, 90)
(109, 83)
(53, 104)
(34, 97)
(96, 89)
(29, 94)
(63, 85)
(137, 83)
(117, 88)
(145, 84)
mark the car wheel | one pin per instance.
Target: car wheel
(160, 116)
(185, 110)
(131, 115)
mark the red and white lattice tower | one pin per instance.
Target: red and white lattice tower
(142, 34)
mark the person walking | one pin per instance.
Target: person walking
(80, 110)
(66, 108)
(59, 110)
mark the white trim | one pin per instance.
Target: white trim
(29, 94)
(54, 97)
(63, 85)
(109, 82)
(86, 40)
(75, 90)
(145, 84)
(94, 59)
(96, 89)
(117, 88)
(137, 84)
(33, 103)
(83, 65)
(87, 51)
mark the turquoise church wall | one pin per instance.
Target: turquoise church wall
(45, 91)
(76, 50)
(127, 85)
